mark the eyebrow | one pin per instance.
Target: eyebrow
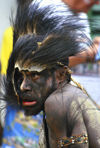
(30, 72)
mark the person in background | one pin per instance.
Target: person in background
(79, 6)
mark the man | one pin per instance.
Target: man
(38, 78)
(70, 115)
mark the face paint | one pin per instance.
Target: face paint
(33, 88)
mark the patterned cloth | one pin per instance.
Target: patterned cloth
(21, 131)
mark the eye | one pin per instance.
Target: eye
(35, 76)
(20, 79)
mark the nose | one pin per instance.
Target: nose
(25, 85)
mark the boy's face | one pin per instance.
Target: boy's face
(81, 5)
(33, 88)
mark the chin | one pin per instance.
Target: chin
(29, 111)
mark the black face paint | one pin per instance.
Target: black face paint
(33, 88)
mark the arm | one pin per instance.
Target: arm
(85, 56)
(55, 118)
(87, 119)
(64, 118)
(75, 60)
(92, 121)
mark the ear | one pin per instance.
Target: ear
(60, 75)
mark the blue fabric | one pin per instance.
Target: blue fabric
(97, 57)
(21, 131)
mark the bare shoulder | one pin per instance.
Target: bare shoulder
(68, 97)
(65, 94)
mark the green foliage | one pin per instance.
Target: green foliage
(94, 19)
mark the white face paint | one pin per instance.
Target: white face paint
(32, 68)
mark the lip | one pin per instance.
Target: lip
(29, 103)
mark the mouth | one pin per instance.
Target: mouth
(28, 103)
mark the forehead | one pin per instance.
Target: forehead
(23, 72)
(32, 73)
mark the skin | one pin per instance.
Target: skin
(68, 110)
(87, 55)
(76, 115)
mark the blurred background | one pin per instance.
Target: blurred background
(89, 74)
(7, 8)
(92, 69)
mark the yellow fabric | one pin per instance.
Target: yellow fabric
(6, 49)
